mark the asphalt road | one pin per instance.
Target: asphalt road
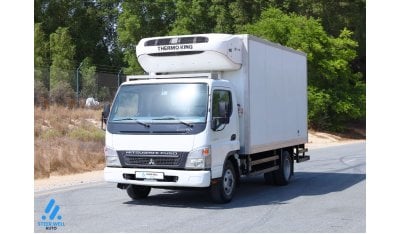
(327, 194)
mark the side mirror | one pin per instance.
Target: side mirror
(222, 118)
(105, 114)
(214, 123)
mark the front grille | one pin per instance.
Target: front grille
(152, 159)
(132, 160)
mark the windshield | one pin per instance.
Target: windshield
(161, 103)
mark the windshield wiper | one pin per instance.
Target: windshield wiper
(174, 118)
(136, 121)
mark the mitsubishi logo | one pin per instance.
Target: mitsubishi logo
(151, 162)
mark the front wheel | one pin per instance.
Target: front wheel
(222, 192)
(137, 192)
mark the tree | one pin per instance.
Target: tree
(62, 51)
(92, 26)
(139, 19)
(88, 70)
(334, 15)
(246, 11)
(41, 56)
(220, 16)
(220, 12)
(336, 93)
(128, 28)
(192, 17)
(108, 11)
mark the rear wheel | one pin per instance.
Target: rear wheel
(222, 192)
(283, 175)
(137, 192)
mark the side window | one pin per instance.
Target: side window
(219, 97)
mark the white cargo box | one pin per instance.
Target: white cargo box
(207, 52)
(271, 88)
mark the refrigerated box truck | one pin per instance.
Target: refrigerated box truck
(212, 108)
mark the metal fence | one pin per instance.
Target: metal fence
(75, 90)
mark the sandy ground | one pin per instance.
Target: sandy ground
(55, 182)
(315, 140)
(322, 139)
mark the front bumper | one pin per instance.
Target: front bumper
(183, 178)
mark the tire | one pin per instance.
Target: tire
(223, 191)
(282, 176)
(137, 192)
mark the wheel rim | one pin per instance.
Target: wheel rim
(286, 168)
(228, 182)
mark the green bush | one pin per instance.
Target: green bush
(87, 134)
(104, 94)
(62, 93)
(40, 92)
(318, 105)
(50, 134)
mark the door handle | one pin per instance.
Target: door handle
(233, 137)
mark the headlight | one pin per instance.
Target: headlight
(112, 159)
(199, 158)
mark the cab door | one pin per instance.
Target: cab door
(224, 128)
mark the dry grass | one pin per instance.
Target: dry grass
(67, 141)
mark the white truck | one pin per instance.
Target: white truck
(211, 109)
